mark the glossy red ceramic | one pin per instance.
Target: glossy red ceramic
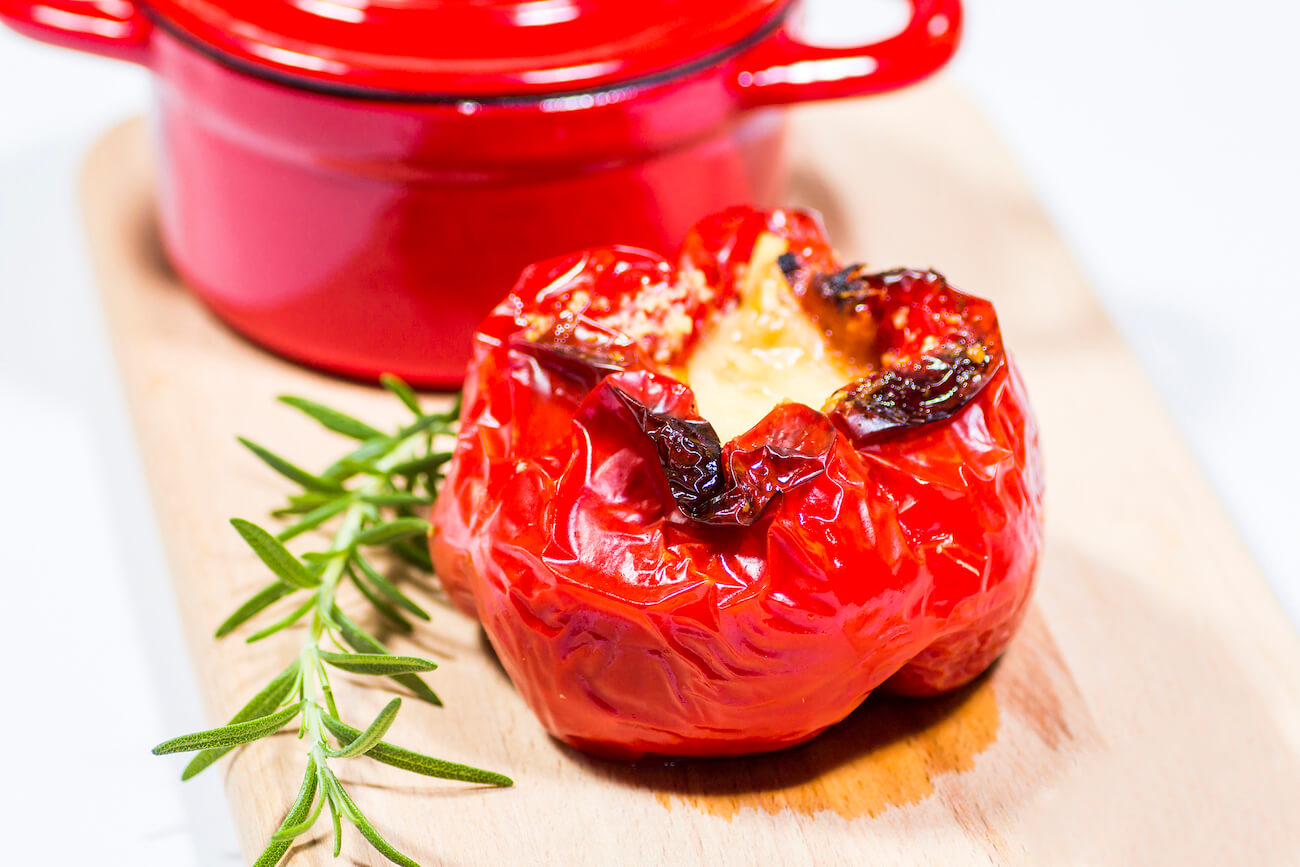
(355, 183)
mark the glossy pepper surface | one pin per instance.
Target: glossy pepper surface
(652, 588)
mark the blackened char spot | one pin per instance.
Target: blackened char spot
(689, 449)
(584, 362)
(935, 387)
(789, 264)
(845, 288)
(690, 453)
(732, 486)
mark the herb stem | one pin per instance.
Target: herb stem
(398, 472)
(354, 517)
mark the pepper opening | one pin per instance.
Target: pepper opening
(739, 365)
(765, 351)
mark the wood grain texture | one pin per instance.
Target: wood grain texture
(1149, 712)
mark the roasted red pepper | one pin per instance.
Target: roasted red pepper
(652, 586)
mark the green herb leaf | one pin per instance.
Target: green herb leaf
(363, 642)
(300, 504)
(418, 763)
(229, 735)
(403, 391)
(377, 663)
(325, 687)
(315, 518)
(260, 601)
(353, 814)
(320, 558)
(277, 558)
(339, 422)
(391, 531)
(337, 796)
(399, 500)
(437, 423)
(373, 734)
(381, 845)
(386, 587)
(416, 555)
(363, 457)
(297, 812)
(426, 464)
(288, 620)
(310, 481)
(381, 605)
(337, 821)
(286, 833)
(260, 705)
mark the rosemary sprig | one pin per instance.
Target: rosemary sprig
(372, 494)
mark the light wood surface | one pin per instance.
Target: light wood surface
(1148, 713)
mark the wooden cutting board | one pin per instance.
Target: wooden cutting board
(1148, 713)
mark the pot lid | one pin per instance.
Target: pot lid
(464, 48)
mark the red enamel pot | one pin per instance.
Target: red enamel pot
(355, 183)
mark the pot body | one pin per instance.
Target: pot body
(366, 232)
(373, 236)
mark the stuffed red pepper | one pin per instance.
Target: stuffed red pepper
(707, 508)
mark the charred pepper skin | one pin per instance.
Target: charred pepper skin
(651, 589)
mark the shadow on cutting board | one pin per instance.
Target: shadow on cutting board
(888, 753)
(885, 754)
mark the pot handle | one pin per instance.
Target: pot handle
(781, 69)
(113, 28)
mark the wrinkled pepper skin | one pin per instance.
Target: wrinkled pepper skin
(651, 590)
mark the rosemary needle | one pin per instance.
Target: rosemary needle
(370, 497)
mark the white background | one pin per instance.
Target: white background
(1162, 135)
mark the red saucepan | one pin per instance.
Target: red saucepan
(355, 183)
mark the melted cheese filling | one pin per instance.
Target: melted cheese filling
(762, 353)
